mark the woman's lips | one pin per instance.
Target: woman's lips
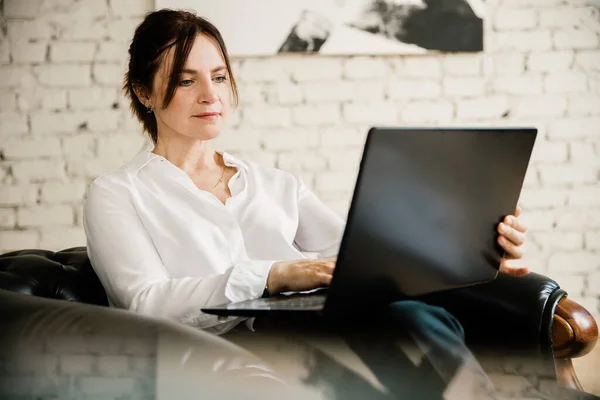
(207, 116)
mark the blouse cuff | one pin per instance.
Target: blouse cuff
(248, 280)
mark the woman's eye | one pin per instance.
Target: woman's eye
(186, 82)
(220, 79)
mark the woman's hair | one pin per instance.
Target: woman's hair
(159, 31)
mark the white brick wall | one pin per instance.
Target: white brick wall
(76, 364)
(63, 119)
(551, 61)
(113, 365)
(94, 365)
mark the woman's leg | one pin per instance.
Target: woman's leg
(437, 333)
(311, 357)
(414, 345)
(413, 348)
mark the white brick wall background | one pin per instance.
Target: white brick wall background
(96, 364)
(64, 121)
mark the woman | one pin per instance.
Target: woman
(182, 226)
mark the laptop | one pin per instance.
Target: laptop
(422, 219)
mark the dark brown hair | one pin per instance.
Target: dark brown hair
(159, 31)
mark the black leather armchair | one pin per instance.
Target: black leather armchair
(531, 311)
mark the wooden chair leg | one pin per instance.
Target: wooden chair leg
(566, 374)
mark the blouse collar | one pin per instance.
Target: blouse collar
(144, 157)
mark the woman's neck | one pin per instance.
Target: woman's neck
(190, 155)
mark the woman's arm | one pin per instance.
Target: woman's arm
(130, 268)
(320, 230)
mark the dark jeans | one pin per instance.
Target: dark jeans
(384, 340)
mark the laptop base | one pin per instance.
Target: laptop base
(313, 302)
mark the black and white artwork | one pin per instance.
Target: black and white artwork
(342, 27)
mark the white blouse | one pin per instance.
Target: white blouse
(163, 247)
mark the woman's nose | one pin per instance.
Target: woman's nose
(207, 93)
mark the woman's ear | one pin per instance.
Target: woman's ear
(141, 93)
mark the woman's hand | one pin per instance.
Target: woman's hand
(512, 239)
(300, 275)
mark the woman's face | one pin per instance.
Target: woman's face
(201, 102)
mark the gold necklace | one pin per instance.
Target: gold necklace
(220, 179)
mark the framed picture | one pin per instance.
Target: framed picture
(342, 27)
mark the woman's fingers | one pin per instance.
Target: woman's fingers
(512, 240)
(325, 279)
(324, 271)
(512, 251)
(513, 235)
(511, 269)
(515, 223)
(518, 211)
(327, 265)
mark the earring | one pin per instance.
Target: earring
(149, 109)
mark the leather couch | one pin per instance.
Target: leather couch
(53, 349)
(530, 312)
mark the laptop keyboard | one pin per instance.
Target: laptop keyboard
(306, 302)
(297, 302)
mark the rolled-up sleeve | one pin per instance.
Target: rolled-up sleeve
(248, 280)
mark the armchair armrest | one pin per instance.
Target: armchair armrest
(509, 310)
(65, 275)
(574, 334)
(530, 311)
(574, 331)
